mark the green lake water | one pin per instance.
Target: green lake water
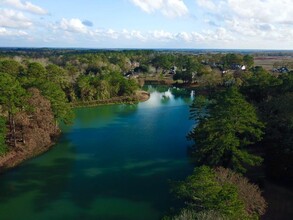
(114, 163)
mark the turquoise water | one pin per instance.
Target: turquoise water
(114, 162)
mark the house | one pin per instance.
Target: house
(173, 70)
(281, 70)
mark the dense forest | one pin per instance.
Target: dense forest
(242, 114)
(240, 125)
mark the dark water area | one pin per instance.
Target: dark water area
(114, 162)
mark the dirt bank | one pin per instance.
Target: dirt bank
(15, 157)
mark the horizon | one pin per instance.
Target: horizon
(125, 48)
(147, 24)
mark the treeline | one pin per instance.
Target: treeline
(25, 78)
(237, 127)
(31, 106)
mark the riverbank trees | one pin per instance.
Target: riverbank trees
(219, 193)
(236, 125)
(3, 147)
(226, 126)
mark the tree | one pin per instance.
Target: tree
(163, 61)
(12, 99)
(11, 67)
(202, 192)
(222, 137)
(36, 70)
(221, 193)
(248, 61)
(229, 61)
(85, 88)
(55, 74)
(3, 147)
(260, 85)
(60, 106)
(36, 126)
(249, 194)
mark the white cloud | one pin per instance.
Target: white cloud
(72, 25)
(268, 11)
(208, 4)
(169, 8)
(14, 19)
(257, 20)
(133, 34)
(185, 36)
(25, 6)
(161, 35)
(5, 32)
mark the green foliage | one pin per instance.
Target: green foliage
(36, 70)
(229, 60)
(202, 192)
(105, 86)
(183, 75)
(3, 147)
(11, 67)
(274, 100)
(164, 61)
(60, 106)
(260, 85)
(12, 95)
(55, 74)
(218, 194)
(199, 108)
(222, 137)
(248, 61)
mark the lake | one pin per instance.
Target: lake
(114, 163)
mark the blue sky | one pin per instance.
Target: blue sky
(223, 24)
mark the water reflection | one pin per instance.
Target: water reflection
(167, 96)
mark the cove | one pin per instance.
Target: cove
(113, 163)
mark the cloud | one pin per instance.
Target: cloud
(257, 20)
(169, 8)
(133, 34)
(14, 19)
(268, 11)
(161, 35)
(208, 4)
(5, 32)
(264, 11)
(25, 6)
(87, 23)
(72, 25)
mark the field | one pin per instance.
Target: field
(267, 62)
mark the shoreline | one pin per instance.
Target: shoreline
(19, 155)
(16, 157)
(139, 96)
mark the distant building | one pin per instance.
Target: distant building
(281, 70)
(173, 70)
